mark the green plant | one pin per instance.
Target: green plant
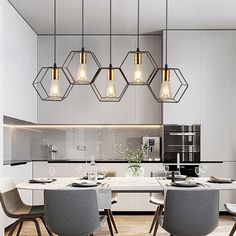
(134, 158)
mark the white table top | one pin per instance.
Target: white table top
(116, 184)
(128, 184)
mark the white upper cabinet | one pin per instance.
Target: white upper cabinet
(184, 52)
(82, 106)
(20, 66)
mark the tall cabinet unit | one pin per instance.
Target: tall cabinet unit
(207, 60)
(19, 67)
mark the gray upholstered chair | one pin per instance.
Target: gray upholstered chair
(190, 212)
(108, 212)
(14, 207)
(231, 208)
(72, 212)
(158, 200)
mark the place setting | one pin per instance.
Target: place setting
(90, 178)
(45, 180)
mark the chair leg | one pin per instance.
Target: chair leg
(154, 219)
(13, 228)
(112, 220)
(157, 223)
(19, 229)
(233, 230)
(48, 230)
(109, 221)
(37, 227)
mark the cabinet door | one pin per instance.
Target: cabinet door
(218, 95)
(185, 55)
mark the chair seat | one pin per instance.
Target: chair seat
(231, 208)
(157, 201)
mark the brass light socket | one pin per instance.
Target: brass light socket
(82, 57)
(110, 73)
(55, 73)
(165, 74)
(138, 58)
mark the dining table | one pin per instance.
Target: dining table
(129, 184)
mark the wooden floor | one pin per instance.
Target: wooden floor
(136, 226)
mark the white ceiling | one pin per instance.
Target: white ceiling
(183, 14)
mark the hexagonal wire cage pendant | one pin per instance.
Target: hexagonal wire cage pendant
(171, 85)
(52, 84)
(142, 65)
(76, 65)
(109, 83)
(138, 66)
(111, 89)
(171, 81)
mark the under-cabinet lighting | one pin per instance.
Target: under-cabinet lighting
(85, 126)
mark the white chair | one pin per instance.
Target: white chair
(231, 208)
(157, 199)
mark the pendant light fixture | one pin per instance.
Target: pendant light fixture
(173, 83)
(111, 93)
(143, 65)
(76, 64)
(51, 83)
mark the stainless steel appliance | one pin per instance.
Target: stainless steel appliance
(182, 139)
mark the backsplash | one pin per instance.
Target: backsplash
(26, 143)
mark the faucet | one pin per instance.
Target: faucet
(52, 151)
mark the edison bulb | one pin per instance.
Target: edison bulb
(165, 92)
(138, 73)
(55, 88)
(81, 72)
(111, 90)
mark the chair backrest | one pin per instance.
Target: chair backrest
(191, 212)
(9, 197)
(111, 174)
(71, 212)
(158, 196)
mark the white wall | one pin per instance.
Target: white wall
(1, 106)
(82, 106)
(20, 66)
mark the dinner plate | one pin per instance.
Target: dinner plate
(185, 184)
(85, 184)
(41, 180)
(178, 177)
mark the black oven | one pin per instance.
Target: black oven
(182, 139)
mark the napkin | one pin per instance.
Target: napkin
(217, 179)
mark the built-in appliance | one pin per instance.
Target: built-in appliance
(182, 139)
(153, 147)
